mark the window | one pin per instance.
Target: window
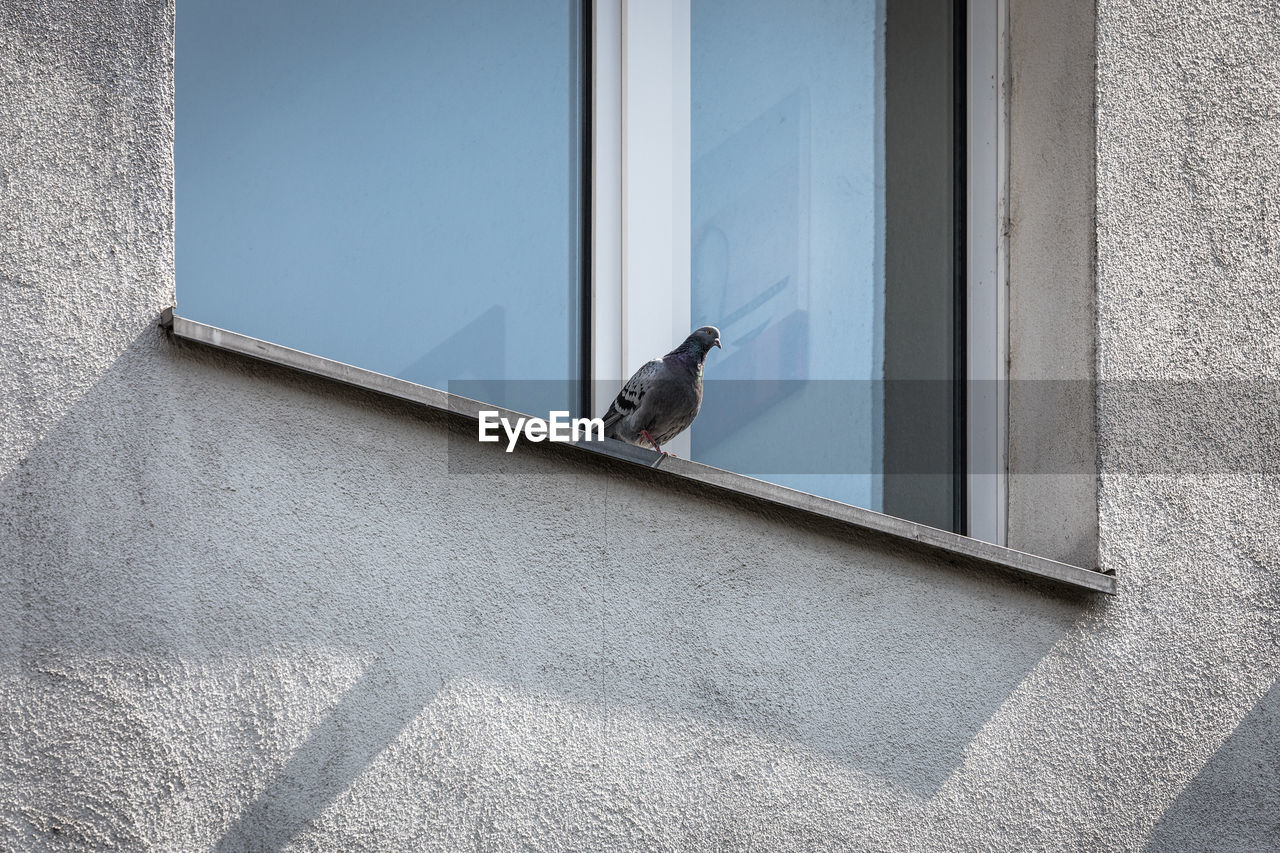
(799, 175)
(396, 185)
(413, 187)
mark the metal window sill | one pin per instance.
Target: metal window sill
(970, 551)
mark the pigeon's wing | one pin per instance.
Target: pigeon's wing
(632, 394)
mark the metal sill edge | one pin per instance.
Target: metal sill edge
(971, 550)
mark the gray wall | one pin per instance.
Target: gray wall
(248, 610)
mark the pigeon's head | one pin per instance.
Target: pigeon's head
(704, 339)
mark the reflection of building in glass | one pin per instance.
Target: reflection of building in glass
(751, 243)
(750, 261)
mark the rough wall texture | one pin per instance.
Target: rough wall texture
(244, 610)
(1189, 290)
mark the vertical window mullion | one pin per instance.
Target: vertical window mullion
(607, 369)
(581, 89)
(987, 303)
(655, 182)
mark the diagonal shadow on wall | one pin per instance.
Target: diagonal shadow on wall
(198, 507)
(1233, 804)
(368, 717)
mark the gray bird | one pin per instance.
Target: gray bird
(664, 396)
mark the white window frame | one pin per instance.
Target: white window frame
(641, 219)
(987, 276)
(641, 202)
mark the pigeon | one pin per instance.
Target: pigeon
(664, 396)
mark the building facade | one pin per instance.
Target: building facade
(249, 609)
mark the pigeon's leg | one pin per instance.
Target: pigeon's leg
(649, 439)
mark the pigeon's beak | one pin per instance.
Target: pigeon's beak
(717, 343)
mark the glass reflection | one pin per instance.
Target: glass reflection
(804, 232)
(395, 185)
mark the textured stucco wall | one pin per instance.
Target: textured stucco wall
(246, 610)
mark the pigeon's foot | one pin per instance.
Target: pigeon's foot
(649, 439)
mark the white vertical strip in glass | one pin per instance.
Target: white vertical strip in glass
(608, 370)
(655, 169)
(987, 271)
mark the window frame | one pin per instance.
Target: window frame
(987, 270)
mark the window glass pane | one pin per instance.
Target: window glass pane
(824, 246)
(395, 185)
